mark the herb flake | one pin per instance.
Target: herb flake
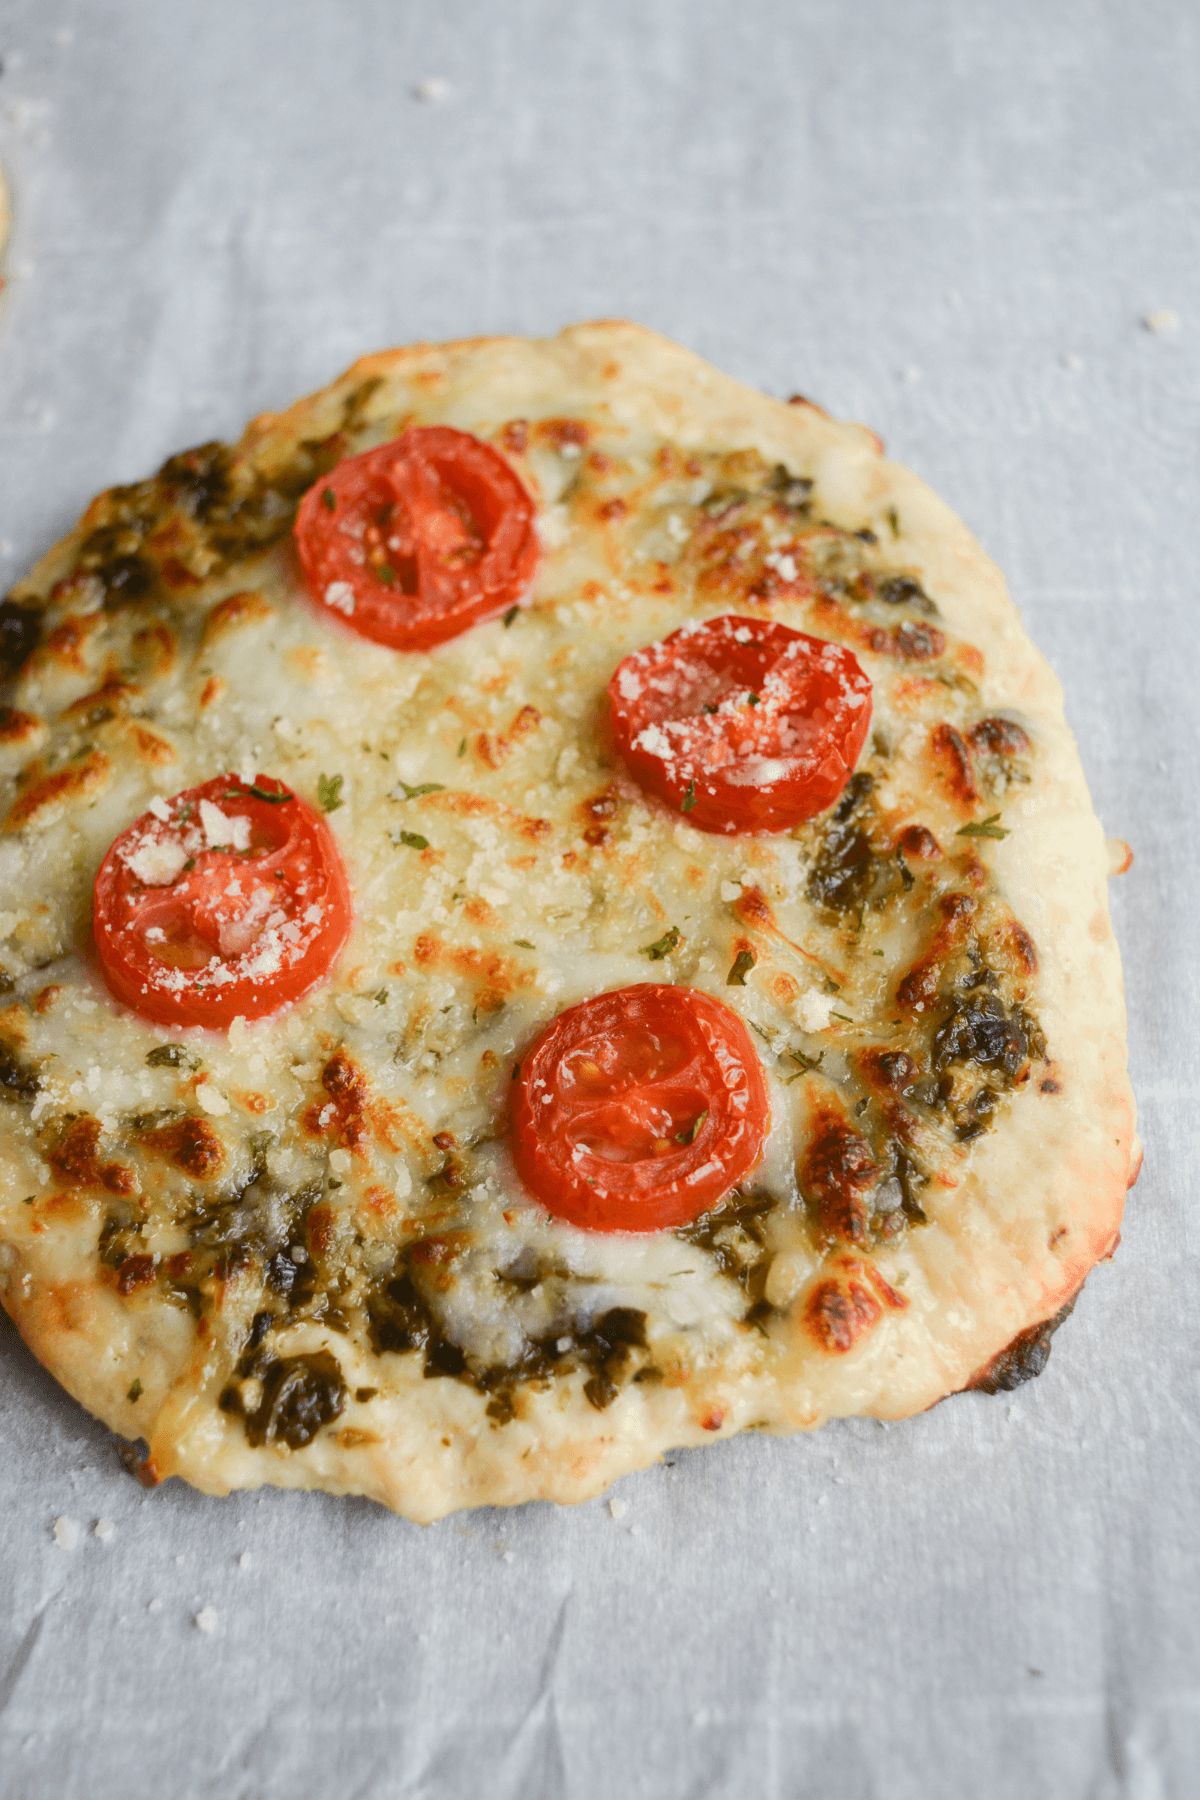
(806, 1064)
(329, 499)
(983, 828)
(510, 615)
(743, 962)
(414, 840)
(424, 787)
(689, 799)
(329, 792)
(691, 1132)
(171, 1056)
(663, 947)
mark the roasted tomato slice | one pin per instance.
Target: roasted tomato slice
(639, 1109)
(415, 541)
(741, 724)
(229, 899)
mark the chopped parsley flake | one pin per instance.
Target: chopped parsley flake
(804, 1065)
(523, 944)
(743, 962)
(510, 615)
(275, 795)
(424, 787)
(689, 799)
(329, 792)
(135, 1392)
(171, 1056)
(414, 840)
(664, 946)
(329, 498)
(988, 828)
(692, 1131)
(381, 997)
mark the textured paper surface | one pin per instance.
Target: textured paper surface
(948, 220)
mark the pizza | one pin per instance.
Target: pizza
(548, 912)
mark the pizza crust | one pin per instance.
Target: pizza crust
(1036, 1203)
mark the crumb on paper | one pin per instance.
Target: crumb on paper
(244, 1560)
(206, 1620)
(105, 1530)
(432, 89)
(618, 1508)
(508, 1556)
(1074, 364)
(155, 1605)
(66, 1532)
(1161, 322)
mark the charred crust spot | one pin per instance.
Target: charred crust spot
(494, 747)
(615, 508)
(113, 696)
(597, 836)
(1022, 946)
(999, 737)
(50, 792)
(753, 908)
(191, 1144)
(837, 1170)
(515, 436)
(1050, 1086)
(244, 608)
(136, 1272)
(562, 431)
(75, 1163)
(602, 806)
(838, 1315)
(20, 634)
(18, 727)
(1023, 1359)
(17, 1080)
(919, 987)
(951, 752)
(894, 1070)
(910, 641)
(343, 1115)
(920, 842)
(903, 590)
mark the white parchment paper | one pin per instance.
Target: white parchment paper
(948, 218)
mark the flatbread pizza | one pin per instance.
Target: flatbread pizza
(548, 912)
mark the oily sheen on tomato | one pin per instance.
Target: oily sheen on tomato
(415, 541)
(639, 1109)
(231, 899)
(741, 724)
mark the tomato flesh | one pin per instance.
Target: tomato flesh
(193, 930)
(415, 541)
(741, 724)
(639, 1109)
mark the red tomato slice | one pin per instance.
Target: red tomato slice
(235, 903)
(638, 1110)
(741, 724)
(417, 540)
